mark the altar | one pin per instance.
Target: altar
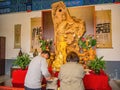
(91, 81)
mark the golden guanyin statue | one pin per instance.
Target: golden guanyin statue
(67, 30)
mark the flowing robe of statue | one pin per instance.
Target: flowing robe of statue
(67, 32)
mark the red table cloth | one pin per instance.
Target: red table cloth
(93, 81)
(18, 77)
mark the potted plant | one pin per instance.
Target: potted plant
(97, 64)
(22, 61)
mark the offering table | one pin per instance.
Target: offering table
(91, 81)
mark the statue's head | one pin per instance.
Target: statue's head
(59, 11)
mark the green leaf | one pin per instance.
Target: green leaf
(22, 61)
(93, 42)
(45, 44)
(97, 64)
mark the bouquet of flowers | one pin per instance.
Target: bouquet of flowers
(87, 42)
(45, 44)
(87, 51)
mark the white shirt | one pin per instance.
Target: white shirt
(37, 68)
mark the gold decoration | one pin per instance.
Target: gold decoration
(67, 32)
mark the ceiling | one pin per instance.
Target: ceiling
(10, 6)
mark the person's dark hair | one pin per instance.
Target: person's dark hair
(72, 57)
(46, 52)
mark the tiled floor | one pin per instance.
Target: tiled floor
(6, 81)
(115, 84)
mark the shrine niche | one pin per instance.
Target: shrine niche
(36, 34)
(68, 30)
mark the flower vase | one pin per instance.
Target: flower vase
(96, 71)
(35, 53)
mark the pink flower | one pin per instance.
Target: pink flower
(83, 39)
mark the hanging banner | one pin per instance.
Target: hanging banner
(103, 29)
(17, 36)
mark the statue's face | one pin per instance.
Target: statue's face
(59, 12)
